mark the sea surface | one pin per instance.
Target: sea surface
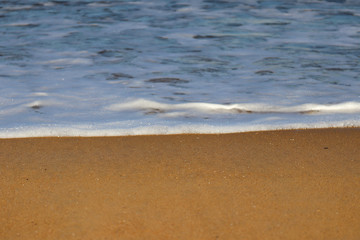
(105, 68)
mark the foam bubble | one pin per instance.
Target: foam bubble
(17, 8)
(69, 61)
(40, 94)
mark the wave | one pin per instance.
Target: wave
(166, 109)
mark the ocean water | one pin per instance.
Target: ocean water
(101, 68)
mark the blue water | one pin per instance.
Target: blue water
(158, 67)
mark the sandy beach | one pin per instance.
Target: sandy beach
(295, 184)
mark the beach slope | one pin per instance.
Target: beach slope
(294, 184)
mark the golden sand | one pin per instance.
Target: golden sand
(297, 184)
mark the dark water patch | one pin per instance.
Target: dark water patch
(179, 93)
(311, 65)
(238, 110)
(338, 13)
(5, 76)
(346, 13)
(276, 23)
(115, 76)
(309, 112)
(264, 72)
(234, 24)
(38, 4)
(338, 83)
(271, 58)
(336, 69)
(282, 8)
(70, 3)
(194, 50)
(153, 111)
(65, 3)
(36, 106)
(336, 1)
(103, 52)
(209, 36)
(167, 80)
(212, 5)
(206, 70)
(108, 53)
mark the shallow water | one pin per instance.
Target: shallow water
(140, 67)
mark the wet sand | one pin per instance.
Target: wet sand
(297, 184)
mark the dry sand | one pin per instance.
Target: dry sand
(298, 184)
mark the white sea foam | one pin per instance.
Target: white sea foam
(40, 94)
(49, 4)
(106, 130)
(16, 8)
(96, 4)
(272, 118)
(69, 61)
(21, 24)
(211, 108)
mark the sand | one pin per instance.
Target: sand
(296, 184)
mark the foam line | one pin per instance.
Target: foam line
(112, 130)
(211, 108)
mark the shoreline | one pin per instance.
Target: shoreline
(357, 128)
(285, 184)
(84, 132)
